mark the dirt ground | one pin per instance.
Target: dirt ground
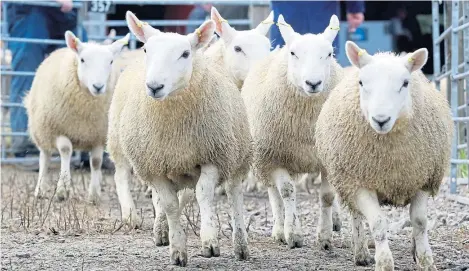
(75, 235)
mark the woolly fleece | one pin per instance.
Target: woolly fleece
(58, 106)
(282, 120)
(414, 155)
(204, 123)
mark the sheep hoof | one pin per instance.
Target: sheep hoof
(161, 241)
(178, 257)
(241, 251)
(364, 258)
(336, 224)
(210, 249)
(384, 261)
(130, 218)
(294, 240)
(425, 263)
(326, 244)
(61, 195)
(278, 235)
(161, 232)
(93, 197)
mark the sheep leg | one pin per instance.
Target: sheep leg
(287, 190)
(336, 221)
(160, 226)
(234, 192)
(361, 253)
(418, 218)
(64, 145)
(326, 196)
(122, 176)
(250, 182)
(44, 161)
(205, 192)
(94, 190)
(168, 200)
(367, 203)
(278, 213)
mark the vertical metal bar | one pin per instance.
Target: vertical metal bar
(465, 34)
(5, 44)
(133, 42)
(446, 25)
(80, 15)
(454, 91)
(436, 47)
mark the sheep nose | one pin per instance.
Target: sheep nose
(155, 87)
(381, 120)
(98, 87)
(313, 85)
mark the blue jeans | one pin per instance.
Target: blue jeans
(305, 17)
(32, 22)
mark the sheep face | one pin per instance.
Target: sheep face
(94, 61)
(242, 48)
(309, 56)
(168, 56)
(385, 84)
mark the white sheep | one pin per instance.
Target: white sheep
(284, 95)
(384, 137)
(235, 53)
(67, 108)
(179, 123)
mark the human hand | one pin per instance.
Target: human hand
(354, 20)
(66, 5)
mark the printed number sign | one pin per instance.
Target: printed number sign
(100, 6)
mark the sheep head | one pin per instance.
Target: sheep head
(168, 56)
(242, 48)
(309, 56)
(385, 84)
(94, 61)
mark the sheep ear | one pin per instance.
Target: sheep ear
(118, 45)
(73, 42)
(202, 35)
(223, 29)
(140, 29)
(264, 26)
(286, 30)
(357, 56)
(110, 37)
(331, 31)
(416, 60)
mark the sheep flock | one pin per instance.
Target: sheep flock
(189, 118)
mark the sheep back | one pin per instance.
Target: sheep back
(282, 120)
(58, 106)
(414, 155)
(204, 123)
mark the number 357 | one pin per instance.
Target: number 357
(101, 6)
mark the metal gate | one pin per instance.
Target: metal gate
(453, 77)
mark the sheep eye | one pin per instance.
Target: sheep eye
(238, 49)
(406, 83)
(112, 61)
(185, 54)
(360, 82)
(329, 55)
(293, 54)
(82, 60)
(145, 50)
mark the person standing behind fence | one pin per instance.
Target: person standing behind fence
(313, 17)
(38, 22)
